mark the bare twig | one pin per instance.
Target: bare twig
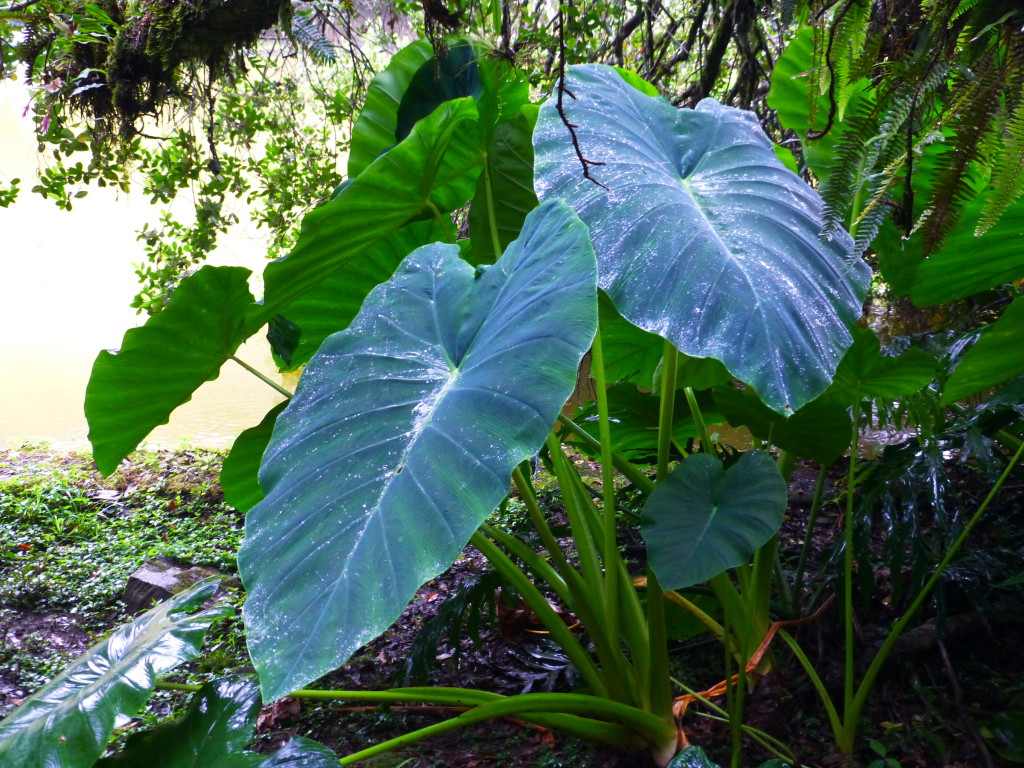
(20, 6)
(562, 90)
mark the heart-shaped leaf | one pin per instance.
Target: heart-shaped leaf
(702, 518)
(160, 365)
(432, 172)
(702, 235)
(966, 263)
(68, 722)
(402, 436)
(330, 306)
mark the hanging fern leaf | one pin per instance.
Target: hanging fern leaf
(312, 39)
(1007, 180)
(951, 191)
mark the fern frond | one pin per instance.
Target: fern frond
(847, 44)
(312, 39)
(951, 189)
(1007, 180)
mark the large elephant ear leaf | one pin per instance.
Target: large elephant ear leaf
(68, 722)
(160, 365)
(704, 518)
(702, 235)
(374, 131)
(402, 436)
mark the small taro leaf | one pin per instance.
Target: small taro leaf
(692, 757)
(433, 170)
(330, 306)
(219, 722)
(374, 131)
(966, 264)
(238, 475)
(283, 336)
(301, 753)
(993, 359)
(819, 431)
(635, 416)
(1005, 734)
(68, 722)
(509, 169)
(702, 519)
(161, 364)
(866, 372)
(630, 354)
(703, 236)
(402, 436)
(454, 76)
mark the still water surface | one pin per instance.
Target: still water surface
(66, 280)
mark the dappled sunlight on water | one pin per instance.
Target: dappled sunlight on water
(66, 280)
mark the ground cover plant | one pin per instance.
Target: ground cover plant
(677, 251)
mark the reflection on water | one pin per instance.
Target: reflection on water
(66, 280)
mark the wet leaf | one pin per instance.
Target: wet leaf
(134, 390)
(68, 722)
(214, 731)
(238, 475)
(703, 236)
(402, 436)
(703, 518)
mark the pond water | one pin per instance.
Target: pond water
(66, 280)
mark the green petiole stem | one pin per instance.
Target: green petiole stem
(812, 519)
(630, 471)
(698, 420)
(852, 716)
(609, 539)
(848, 667)
(538, 707)
(262, 377)
(666, 415)
(489, 196)
(547, 539)
(541, 568)
(560, 633)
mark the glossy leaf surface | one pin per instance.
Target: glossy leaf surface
(330, 306)
(505, 187)
(68, 722)
(160, 365)
(301, 753)
(993, 359)
(703, 236)
(374, 131)
(431, 173)
(702, 518)
(238, 475)
(219, 723)
(402, 436)
(454, 74)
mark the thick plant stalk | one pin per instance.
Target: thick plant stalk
(609, 543)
